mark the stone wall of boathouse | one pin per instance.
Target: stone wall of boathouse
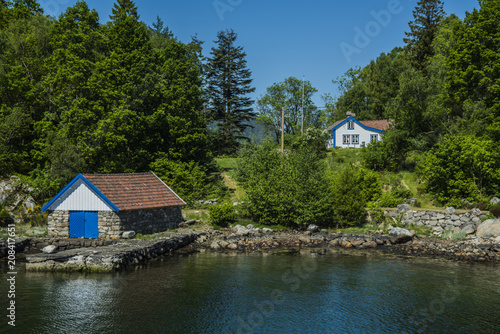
(112, 224)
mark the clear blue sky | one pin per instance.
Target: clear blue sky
(318, 38)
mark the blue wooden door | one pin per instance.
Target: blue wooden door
(76, 224)
(91, 229)
(83, 224)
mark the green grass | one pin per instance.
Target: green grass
(25, 230)
(228, 167)
(338, 159)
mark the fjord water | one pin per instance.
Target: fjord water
(256, 293)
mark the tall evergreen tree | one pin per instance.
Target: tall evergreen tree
(427, 16)
(228, 81)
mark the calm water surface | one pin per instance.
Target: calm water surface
(217, 293)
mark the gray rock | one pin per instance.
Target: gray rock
(437, 229)
(433, 222)
(494, 200)
(465, 219)
(214, 245)
(266, 230)
(250, 227)
(475, 212)
(49, 249)
(313, 228)
(440, 216)
(450, 210)
(399, 235)
(469, 229)
(404, 207)
(454, 217)
(489, 229)
(128, 234)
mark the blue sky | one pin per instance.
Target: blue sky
(319, 39)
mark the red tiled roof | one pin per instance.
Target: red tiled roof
(135, 191)
(382, 124)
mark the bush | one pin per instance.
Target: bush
(190, 180)
(347, 199)
(495, 210)
(5, 218)
(393, 198)
(285, 189)
(461, 167)
(222, 215)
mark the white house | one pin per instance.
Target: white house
(351, 133)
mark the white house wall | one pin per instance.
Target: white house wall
(364, 136)
(79, 197)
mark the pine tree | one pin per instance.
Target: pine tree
(228, 81)
(427, 16)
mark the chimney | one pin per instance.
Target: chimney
(350, 113)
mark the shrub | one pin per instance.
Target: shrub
(190, 180)
(461, 167)
(285, 189)
(5, 218)
(495, 210)
(222, 215)
(454, 235)
(393, 198)
(347, 199)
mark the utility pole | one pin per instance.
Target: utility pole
(283, 130)
(302, 123)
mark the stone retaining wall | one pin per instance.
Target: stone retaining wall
(440, 221)
(29, 245)
(112, 224)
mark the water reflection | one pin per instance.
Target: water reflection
(218, 293)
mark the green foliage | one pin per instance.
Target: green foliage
(392, 198)
(288, 189)
(190, 180)
(347, 199)
(370, 184)
(228, 83)
(427, 16)
(495, 210)
(461, 167)
(222, 215)
(454, 235)
(5, 217)
(288, 94)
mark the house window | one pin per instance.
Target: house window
(346, 139)
(373, 138)
(350, 125)
(355, 139)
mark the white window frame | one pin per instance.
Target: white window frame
(346, 139)
(373, 138)
(353, 141)
(350, 125)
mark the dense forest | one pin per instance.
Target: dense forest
(80, 96)
(442, 92)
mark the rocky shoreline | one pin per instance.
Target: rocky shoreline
(245, 239)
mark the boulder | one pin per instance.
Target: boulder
(266, 230)
(404, 207)
(312, 228)
(128, 234)
(489, 229)
(494, 200)
(49, 249)
(469, 229)
(399, 235)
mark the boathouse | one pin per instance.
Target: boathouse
(107, 205)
